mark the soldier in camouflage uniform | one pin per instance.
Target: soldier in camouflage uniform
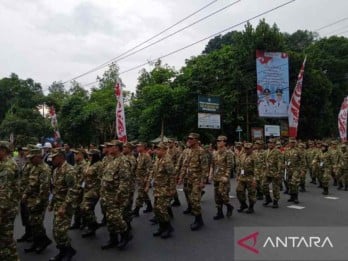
(36, 198)
(324, 162)
(143, 171)
(164, 187)
(246, 179)
(128, 153)
(273, 164)
(303, 150)
(310, 155)
(336, 154)
(9, 199)
(294, 164)
(115, 190)
(196, 168)
(259, 156)
(221, 170)
(80, 168)
(91, 187)
(174, 154)
(342, 168)
(66, 192)
(181, 168)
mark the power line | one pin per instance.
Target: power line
(127, 54)
(333, 33)
(331, 24)
(140, 44)
(201, 40)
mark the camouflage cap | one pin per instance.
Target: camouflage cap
(238, 144)
(248, 145)
(34, 152)
(193, 135)
(93, 151)
(324, 144)
(78, 150)
(161, 145)
(142, 144)
(259, 142)
(221, 138)
(302, 145)
(292, 140)
(310, 142)
(278, 143)
(171, 140)
(343, 145)
(271, 140)
(334, 142)
(5, 144)
(128, 145)
(56, 152)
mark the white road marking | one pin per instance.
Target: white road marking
(296, 207)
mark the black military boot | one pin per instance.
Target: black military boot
(43, 243)
(103, 222)
(296, 198)
(188, 210)
(340, 186)
(302, 188)
(346, 187)
(275, 204)
(170, 212)
(148, 206)
(113, 242)
(267, 200)
(250, 209)
(154, 220)
(243, 206)
(135, 212)
(292, 198)
(176, 202)
(31, 248)
(168, 229)
(335, 182)
(69, 253)
(229, 210)
(125, 238)
(76, 225)
(219, 214)
(90, 230)
(259, 195)
(198, 223)
(27, 237)
(60, 255)
(320, 185)
(325, 191)
(160, 230)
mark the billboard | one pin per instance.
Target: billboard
(272, 70)
(209, 121)
(209, 104)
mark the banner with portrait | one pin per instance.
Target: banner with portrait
(272, 70)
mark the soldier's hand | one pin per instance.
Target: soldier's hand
(61, 211)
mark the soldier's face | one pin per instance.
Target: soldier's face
(271, 145)
(159, 152)
(191, 142)
(57, 160)
(3, 153)
(127, 150)
(220, 143)
(36, 160)
(140, 149)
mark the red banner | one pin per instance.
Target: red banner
(342, 119)
(120, 118)
(295, 104)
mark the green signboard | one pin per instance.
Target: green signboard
(208, 104)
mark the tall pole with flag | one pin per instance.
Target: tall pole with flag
(54, 122)
(342, 120)
(295, 103)
(120, 118)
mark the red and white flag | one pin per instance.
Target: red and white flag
(295, 103)
(342, 119)
(54, 122)
(120, 118)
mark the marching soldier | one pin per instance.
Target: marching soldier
(303, 150)
(246, 179)
(36, 197)
(310, 155)
(196, 168)
(115, 190)
(174, 154)
(143, 171)
(181, 168)
(273, 163)
(343, 167)
(221, 170)
(324, 163)
(65, 196)
(259, 156)
(336, 154)
(164, 183)
(9, 199)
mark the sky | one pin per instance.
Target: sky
(50, 40)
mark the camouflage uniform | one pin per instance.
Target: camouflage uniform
(222, 165)
(66, 192)
(259, 157)
(174, 154)
(9, 199)
(181, 168)
(343, 168)
(324, 163)
(143, 170)
(36, 198)
(105, 162)
(273, 164)
(336, 154)
(246, 180)
(115, 190)
(303, 150)
(294, 163)
(311, 153)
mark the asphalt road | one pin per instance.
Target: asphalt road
(215, 241)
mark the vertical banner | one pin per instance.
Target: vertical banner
(295, 103)
(272, 84)
(54, 122)
(342, 120)
(120, 118)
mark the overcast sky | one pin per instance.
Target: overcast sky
(50, 40)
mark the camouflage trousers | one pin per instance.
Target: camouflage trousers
(161, 205)
(61, 225)
(142, 195)
(24, 213)
(78, 210)
(90, 200)
(194, 195)
(325, 177)
(246, 184)
(8, 249)
(36, 220)
(114, 216)
(187, 191)
(275, 181)
(342, 177)
(221, 193)
(259, 178)
(294, 180)
(127, 213)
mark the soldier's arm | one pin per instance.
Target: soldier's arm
(73, 193)
(229, 165)
(44, 183)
